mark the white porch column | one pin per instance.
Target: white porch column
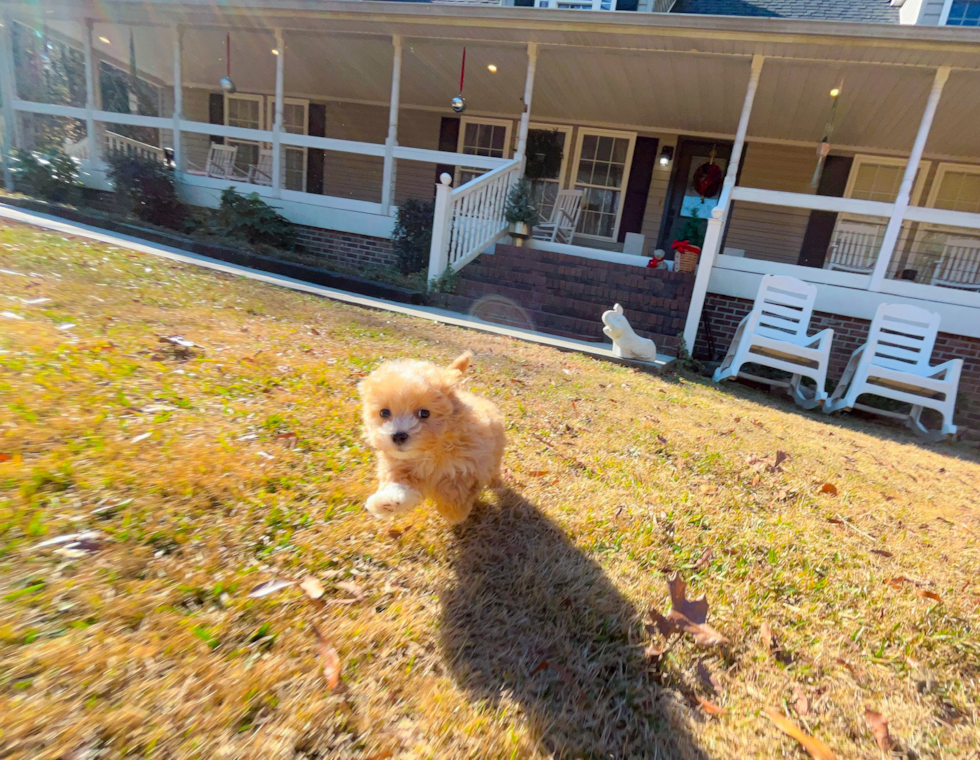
(439, 250)
(8, 91)
(277, 125)
(388, 175)
(716, 224)
(894, 227)
(532, 66)
(178, 97)
(91, 130)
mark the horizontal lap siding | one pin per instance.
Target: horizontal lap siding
(350, 175)
(417, 179)
(194, 144)
(653, 214)
(774, 233)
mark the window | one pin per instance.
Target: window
(876, 178)
(545, 189)
(481, 137)
(956, 188)
(601, 170)
(964, 13)
(295, 120)
(244, 111)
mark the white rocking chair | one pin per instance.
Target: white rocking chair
(959, 265)
(774, 334)
(220, 163)
(894, 364)
(261, 173)
(564, 218)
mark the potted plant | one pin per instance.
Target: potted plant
(520, 211)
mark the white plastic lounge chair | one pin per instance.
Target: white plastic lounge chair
(261, 173)
(774, 334)
(220, 163)
(564, 218)
(855, 248)
(959, 265)
(894, 364)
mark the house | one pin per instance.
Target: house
(835, 141)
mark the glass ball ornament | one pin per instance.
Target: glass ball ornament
(459, 105)
(228, 86)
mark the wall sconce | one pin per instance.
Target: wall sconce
(666, 155)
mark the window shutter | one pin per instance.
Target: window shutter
(316, 127)
(638, 186)
(820, 227)
(216, 113)
(448, 141)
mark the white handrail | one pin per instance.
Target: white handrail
(122, 144)
(469, 218)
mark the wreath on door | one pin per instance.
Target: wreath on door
(544, 154)
(708, 179)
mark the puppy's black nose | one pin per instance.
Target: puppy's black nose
(399, 438)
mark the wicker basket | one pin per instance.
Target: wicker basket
(687, 261)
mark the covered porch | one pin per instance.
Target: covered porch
(341, 112)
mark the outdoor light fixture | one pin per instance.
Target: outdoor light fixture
(105, 40)
(666, 154)
(492, 68)
(275, 52)
(835, 92)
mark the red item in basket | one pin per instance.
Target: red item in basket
(683, 246)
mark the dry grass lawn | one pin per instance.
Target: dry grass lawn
(520, 634)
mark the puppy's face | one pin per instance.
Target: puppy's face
(407, 405)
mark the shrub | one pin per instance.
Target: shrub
(248, 217)
(520, 204)
(147, 187)
(412, 236)
(52, 175)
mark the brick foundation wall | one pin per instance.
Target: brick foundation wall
(723, 314)
(347, 248)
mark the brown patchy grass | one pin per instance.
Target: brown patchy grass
(151, 647)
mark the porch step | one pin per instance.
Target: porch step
(566, 295)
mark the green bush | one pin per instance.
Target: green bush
(147, 187)
(248, 217)
(412, 236)
(52, 175)
(520, 204)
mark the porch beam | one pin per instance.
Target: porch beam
(9, 94)
(716, 224)
(178, 40)
(91, 129)
(391, 142)
(277, 123)
(902, 200)
(532, 66)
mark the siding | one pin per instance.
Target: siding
(909, 12)
(195, 146)
(417, 179)
(773, 233)
(659, 185)
(349, 175)
(930, 12)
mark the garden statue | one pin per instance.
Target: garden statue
(626, 343)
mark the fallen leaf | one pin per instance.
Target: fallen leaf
(289, 439)
(312, 587)
(695, 610)
(710, 489)
(537, 473)
(686, 616)
(351, 588)
(781, 456)
(815, 747)
(331, 661)
(879, 727)
(269, 587)
(829, 488)
(141, 437)
(706, 556)
(711, 708)
(661, 440)
(654, 652)
(709, 679)
(314, 331)
(800, 703)
(926, 594)
(660, 623)
(882, 553)
(4, 457)
(176, 340)
(900, 581)
(771, 643)
(85, 542)
(765, 633)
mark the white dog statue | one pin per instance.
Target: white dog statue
(626, 343)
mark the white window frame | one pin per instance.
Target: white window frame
(944, 15)
(867, 158)
(573, 176)
(260, 99)
(941, 170)
(271, 116)
(567, 130)
(508, 124)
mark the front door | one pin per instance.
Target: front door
(693, 191)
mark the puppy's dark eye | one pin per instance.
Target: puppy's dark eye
(423, 414)
(385, 413)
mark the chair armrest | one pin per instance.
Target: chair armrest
(950, 369)
(568, 217)
(820, 337)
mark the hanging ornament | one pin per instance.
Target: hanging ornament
(824, 147)
(458, 103)
(226, 84)
(708, 178)
(134, 102)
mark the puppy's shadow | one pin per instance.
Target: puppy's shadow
(524, 595)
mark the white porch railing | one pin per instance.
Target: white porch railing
(115, 143)
(469, 218)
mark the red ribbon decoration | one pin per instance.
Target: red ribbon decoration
(228, 55)
(462, 72)
(684, 246)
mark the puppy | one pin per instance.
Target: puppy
(434, 441)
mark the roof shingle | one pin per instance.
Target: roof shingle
(871, 11)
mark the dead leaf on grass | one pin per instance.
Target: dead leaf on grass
(771, 643)
(926, 594)
(781, 456)
(288, 439)
(351, 588)
(312, 587)
(4, 457)
(706, 556)
(710, 707)
(269, 587)
(686, 616)
(879, 727)
(815, 747)
(882, 553)
(709, 679)
(661, 440)
(800, 703)
(900, 581)
(537, 474)
(829, 488)
(710, 489)
(330, 660)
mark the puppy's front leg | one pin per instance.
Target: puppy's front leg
(454, 499)
(392, 499)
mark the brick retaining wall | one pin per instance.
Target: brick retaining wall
(347, 248)
(725, 312)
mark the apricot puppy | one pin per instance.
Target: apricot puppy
(434, 441)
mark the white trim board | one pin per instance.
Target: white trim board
(597, 350)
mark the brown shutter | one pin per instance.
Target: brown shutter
(216, 113)
(820, 228)
(638, 186)
(317, 127)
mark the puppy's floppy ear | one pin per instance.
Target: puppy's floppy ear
(462, 362)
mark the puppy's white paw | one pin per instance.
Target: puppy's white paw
(392, 500)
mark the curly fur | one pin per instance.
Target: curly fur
(448, 456)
